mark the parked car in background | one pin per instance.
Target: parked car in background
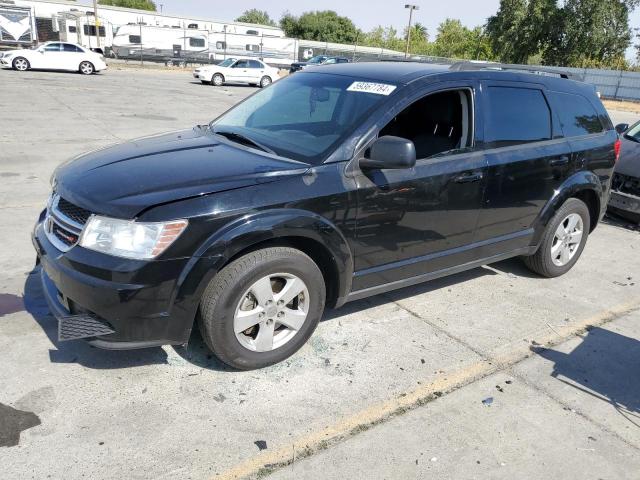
(625, 194)
(55, 56)
(317, 60)
(330, 186)
(238, 70)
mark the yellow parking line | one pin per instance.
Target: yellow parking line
(361, 421)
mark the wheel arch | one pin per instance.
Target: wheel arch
(308, 232)
(585, 186)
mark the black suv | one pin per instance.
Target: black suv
(328, 186)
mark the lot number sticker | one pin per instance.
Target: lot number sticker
(368, 87)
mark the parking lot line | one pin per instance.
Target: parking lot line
(308, 445)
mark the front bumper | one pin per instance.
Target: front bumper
(625, 202)
(141, 302)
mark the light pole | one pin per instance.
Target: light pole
(411, 9)
(97, 22)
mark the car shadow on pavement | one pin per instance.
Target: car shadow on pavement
(620, 222)
(78, 351)
(407, 292)
(605, 366)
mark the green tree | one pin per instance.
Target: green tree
(591, 33)
(324, 26)
(137, 4)
(419, 40)
(259, 17)
(521, 28)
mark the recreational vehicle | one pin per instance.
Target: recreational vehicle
(150, 42)
(17, 26)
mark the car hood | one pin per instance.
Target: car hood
(125, 179)
(629, 161)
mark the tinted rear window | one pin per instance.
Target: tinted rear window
(516, 115)
(577, 115)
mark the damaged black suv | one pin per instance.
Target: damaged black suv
(334, 184)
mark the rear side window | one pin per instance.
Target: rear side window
(67, 47)
(515, 116)
(577, 115)
(255, 64)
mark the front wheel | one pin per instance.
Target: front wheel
(265, 81)
(563, 240)
(261, 308)
(21, 64)
(217, 80)
(87, 68)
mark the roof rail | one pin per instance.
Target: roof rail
(471, 65)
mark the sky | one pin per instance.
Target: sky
(365, 14)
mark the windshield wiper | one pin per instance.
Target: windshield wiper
(243, 140)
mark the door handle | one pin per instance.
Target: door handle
(558, 162)
(469, 177)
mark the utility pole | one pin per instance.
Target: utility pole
(97, 22)
(161, 5)
(411, 9)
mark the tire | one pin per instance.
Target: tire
(265, 81)
(217, 80)
(21, 64)
(555, 256)
(86, 68)
(231, 294)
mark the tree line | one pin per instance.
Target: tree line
(578, 33)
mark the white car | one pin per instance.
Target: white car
(55, 56)
(238, 70)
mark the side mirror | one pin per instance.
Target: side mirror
(390, 153)
(621, 128)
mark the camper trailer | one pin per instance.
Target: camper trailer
(17, 26)
(277, 51)
(80, 28)
(150, 42)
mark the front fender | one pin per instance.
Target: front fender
(578, 182)
(253, 229)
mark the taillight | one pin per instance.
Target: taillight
(617, 147)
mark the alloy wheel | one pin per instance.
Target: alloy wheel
(271, 312)
(567, 239)
(86, 68)
(21, 64)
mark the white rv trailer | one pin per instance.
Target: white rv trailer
(80, 28)
(134, 41)
(17, 26)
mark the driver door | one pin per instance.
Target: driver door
(239, 71)
(415, 221)
(47, 57)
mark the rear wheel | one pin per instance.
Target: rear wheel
(217, 80)
(87, 68)
(21, 64)
(563, 240)
(261, 308)
(265, 81)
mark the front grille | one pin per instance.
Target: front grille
(626, 184)
(75, 213)
(64, 223)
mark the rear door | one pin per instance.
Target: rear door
(528, 159)
(71, 57)
(256, 71)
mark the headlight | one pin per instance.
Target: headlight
(129, 239)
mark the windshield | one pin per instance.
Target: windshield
(303, 117)
(317, 59)
(227, 63)
(633, 133)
